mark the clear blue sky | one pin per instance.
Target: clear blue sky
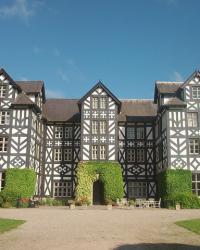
(127, 44)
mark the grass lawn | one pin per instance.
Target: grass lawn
(192, 225)
(8, 224)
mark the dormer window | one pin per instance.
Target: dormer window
(2, 91)
(196, 92)
(95, 103)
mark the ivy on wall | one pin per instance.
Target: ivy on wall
(109, 173)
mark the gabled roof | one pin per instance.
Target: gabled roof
(100, 85)
(174, 101)
(11, 81)
(196, 73)
(61, 110)
(137, 108)
(166, 88)
(32, 87)
(23, 100)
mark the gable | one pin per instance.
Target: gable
(100, 89)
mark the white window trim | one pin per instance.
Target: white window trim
(67, 187)
(68, 132)
(141, 155)
(94, 150)
(4, 142)
(4, 115)
(68, 154)
(192, 143)
(58, 132)
(95, 102)
(103, 102)
(2, 90)
(102, 152)
(102, 127)
(58, 152)
(192, 119)
(94, 127)
(130, 132)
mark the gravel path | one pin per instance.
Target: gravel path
(60, 228)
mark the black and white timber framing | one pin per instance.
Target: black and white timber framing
(53, 135)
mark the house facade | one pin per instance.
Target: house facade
(144, 136)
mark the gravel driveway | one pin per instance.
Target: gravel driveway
(60, 228)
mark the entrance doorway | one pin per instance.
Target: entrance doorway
(98, 193)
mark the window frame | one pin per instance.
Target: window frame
(196, 183)
(94, 127)
(4, 144)
(102, 129)
(137, 189)
(62, 189)
(195, 149)
(140, 133)
(5, 117)
(103, 103)
(130, 155)
(68, 154)
(192, 120)
(95, 102)
(57, 154)
(102, 148)
(140, 157)
(130, 133)
(68, 132)
(94, 150)
(197, 90)
(58, 134)
(3, 91)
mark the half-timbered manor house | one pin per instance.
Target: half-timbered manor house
(145, 136)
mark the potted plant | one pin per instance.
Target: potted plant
(72, 205)
(131, 203)
(109, 203)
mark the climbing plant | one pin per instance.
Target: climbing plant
(109, 173)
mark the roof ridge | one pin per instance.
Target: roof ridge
(64, 99)
(132, 99)
(169, 82)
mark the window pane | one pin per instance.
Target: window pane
(95, 103)
(130, 132)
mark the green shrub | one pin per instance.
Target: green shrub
(23, 202)
(1, 201)
(173, 181)
(6, 204)
(57, 202)
(19, 183)
(109, 173)
(186, 200)
(10, 196)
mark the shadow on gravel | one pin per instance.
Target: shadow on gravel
(158, 246)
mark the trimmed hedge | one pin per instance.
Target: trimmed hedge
(109, 173)
(18, 183)
(173, 181)
(175, 186)
(186, 200)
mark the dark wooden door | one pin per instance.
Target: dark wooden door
(97, 193)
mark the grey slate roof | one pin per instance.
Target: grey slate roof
(23, 99)
(174, 101)
(137, 108)
(31, 86)
(61, 110)
(168, 87)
